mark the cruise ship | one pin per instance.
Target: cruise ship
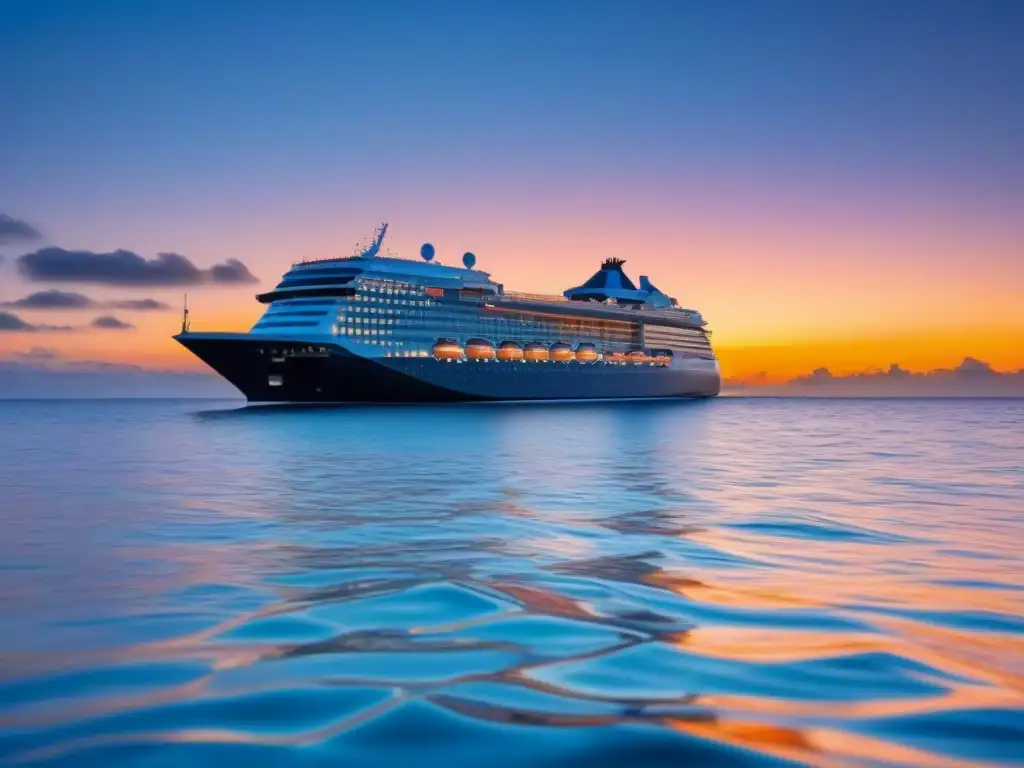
(372, 327)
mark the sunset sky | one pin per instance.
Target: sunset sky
(832, 184)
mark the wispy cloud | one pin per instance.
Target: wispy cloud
(110, 323)
(53, 300)
(36, 355)
(127, 268)
(11, 323)
(139, 305)
(57, 299)
(15, 230)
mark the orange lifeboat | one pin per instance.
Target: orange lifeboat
(661, 357)
(479, 349)
(639, 357)
(509, 350)
(561, 353)
(615, 357)
(586, 353)
(446, 349)
(535, 352)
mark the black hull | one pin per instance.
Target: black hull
(310, 372)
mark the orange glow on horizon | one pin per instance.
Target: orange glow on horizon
(908, 294)
(151, 346)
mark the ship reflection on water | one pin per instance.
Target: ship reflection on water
(646, 584)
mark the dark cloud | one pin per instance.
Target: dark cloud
(110, 323)
(140, 305)
(972, 378)
(128, 268)
(14, 230)
(232, 272)
(53, 299)
(10, 322)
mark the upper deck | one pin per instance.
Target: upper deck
(609, 294)
(561, 306)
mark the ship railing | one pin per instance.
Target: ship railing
(324, 260)
(520, 296)
(673, 313)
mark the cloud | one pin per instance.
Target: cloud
(55, 299)
(10, 322)
(232, 272)
(36, 354)
(140, 305)
(110, 323)
(127, 268)
(13, 230)
(971, 378)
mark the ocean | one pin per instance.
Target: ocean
(733, 581)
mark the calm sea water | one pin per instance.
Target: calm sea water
(808, 581)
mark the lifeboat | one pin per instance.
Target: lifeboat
(535, 352)
(615, 357)
(561, 353)
(509, 350)
(479, 349)
(586, 353)
(639, 357)
(446, 349)
(661, 357)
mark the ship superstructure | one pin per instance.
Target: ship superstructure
(373, 327)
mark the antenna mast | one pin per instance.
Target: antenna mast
(184, 317)
(374, 248)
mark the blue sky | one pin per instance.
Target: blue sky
(794, 143)
(167, 99)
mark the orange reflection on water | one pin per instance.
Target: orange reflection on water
(854, 573)
(995, 657)
(813, 745)
(753, 644)
(539, 600)
(744, 596)
(781, 741)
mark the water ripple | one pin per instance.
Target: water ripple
(803, 582)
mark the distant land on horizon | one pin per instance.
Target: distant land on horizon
(972, 378)
(43, 373)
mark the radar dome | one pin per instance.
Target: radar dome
(469, 260)
(427, 251)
